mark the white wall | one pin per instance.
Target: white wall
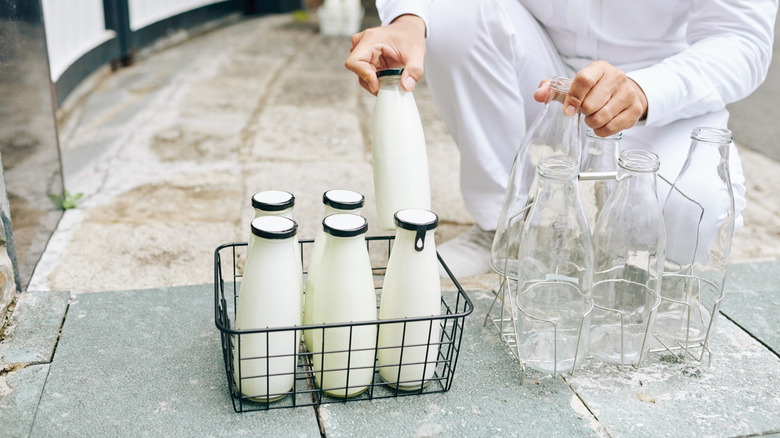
(73, 28)
(146, 12)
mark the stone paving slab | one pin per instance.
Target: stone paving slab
(752, 301)
(486, 398)
(34, 327)
(149, 363)
(738, 395)
(20, 392)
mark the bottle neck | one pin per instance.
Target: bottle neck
(329, 210)
(390, 83)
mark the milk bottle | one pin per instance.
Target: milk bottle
(269, 296)
(336, 201)
(271, 203)
(400, 158)
(343, 357)
(407, 351)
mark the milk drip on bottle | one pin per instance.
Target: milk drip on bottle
(270, 296)
(412, 288)
(400, 157)
(336, 201)
(343, 357)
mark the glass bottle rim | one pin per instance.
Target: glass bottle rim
(273, 200)
(560, 84)
(711, 135)
(558, 166)
(590, 134)
(274, 227)
(639, 160)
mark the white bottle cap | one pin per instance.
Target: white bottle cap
(274, 227)
(273, 200)
(343, 199)
(345, 225)
(417, 220)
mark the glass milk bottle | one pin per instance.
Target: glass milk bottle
(269, 296)
(629, 241)
(599, 165)
(411, 289)
(343, 357)
(336, 201)
(555, 272)
(699, 216)
(400, 157)
(271, 203)
(552, 132)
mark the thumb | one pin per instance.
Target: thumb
(412, 74)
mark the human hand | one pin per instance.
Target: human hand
(610, 101)
(399, 44)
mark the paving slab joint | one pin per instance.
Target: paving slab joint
(590, 411)
(744, 329)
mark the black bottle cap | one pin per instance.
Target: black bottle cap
(273, 200)
(389, 72)
(345, 225)
(274, 227)
(417, 220)
(343, 199)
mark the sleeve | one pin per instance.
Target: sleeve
(728, 58)
(389, 10)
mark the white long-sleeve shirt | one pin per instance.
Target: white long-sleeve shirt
(690, 57)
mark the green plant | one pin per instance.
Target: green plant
(66, 201)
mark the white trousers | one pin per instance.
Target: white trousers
(485, 59)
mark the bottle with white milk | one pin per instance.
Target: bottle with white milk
(400, 156)
(412, 288)
(343, 357)
(269, 296)
(271, 203)
(336, 201)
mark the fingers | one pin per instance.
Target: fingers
(608, 99)
(543, 92)
(399, 44)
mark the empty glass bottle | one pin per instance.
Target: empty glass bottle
(699, 217)
(629, 241)
(599, 165)
(555, 272)
(552, 132)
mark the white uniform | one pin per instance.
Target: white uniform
(485, 58)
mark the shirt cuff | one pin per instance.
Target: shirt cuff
(660, 88)
(389, 10)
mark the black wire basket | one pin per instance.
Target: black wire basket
(445, 333)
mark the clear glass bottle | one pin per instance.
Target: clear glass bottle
(412, 288)
(699, 216)
(343, 357)
(555, 272)
(400, 157)
(600, 164)
(335, 201)
(552, 132)
(629, 240)
(269, 297)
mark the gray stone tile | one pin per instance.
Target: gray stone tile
(34, 327)
(752, 300)
(486, 398)
(20, 392)
(736, 396)
(149, 363)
